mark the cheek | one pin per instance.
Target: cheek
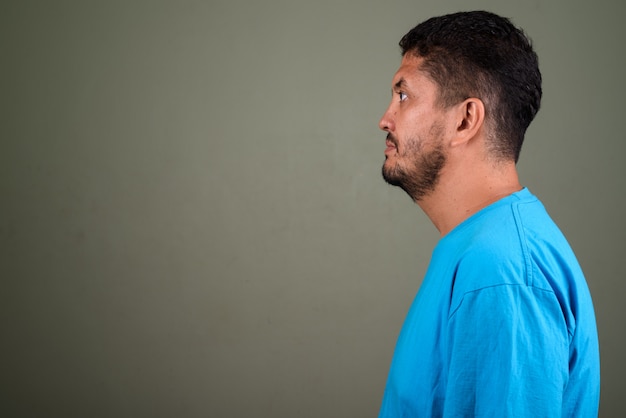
(410, 142)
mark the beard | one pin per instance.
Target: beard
(419, 176)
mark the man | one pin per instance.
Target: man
(503, 324)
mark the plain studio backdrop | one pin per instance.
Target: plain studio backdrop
(192, 217)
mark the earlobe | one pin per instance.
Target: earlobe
(470, 119)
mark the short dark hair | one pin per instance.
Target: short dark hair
(483, 55)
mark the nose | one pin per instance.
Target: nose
(386, 123)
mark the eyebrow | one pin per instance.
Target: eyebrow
(400, 83)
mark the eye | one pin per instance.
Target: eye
(402, 96)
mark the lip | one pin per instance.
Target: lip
(390, 147)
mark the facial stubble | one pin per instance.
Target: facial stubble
(420, 175)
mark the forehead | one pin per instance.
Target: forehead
(410, 74)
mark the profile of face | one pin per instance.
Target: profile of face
(416, 125)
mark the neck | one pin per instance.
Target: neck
(459, 195)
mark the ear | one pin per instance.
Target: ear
(470, 118)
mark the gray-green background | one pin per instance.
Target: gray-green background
(192, 219)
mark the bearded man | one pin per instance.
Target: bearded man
(503, 323)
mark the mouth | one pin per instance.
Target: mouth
(391, 145)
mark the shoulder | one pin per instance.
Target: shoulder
(491, 250)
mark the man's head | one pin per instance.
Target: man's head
(482, 55)
(465, 78)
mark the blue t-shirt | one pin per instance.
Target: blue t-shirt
(502, 326)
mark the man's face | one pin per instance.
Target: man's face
(416, 126)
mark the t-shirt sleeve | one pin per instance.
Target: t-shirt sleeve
(507, 352)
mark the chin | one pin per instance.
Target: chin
(391, 175)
